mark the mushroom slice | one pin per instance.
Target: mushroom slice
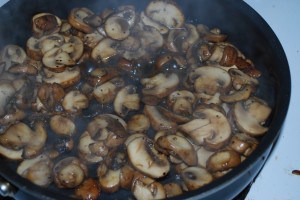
(12, 54)
(166, 13)
(239, 79)
(182, 102)
(49, 42)
(203, 155)
(84, 150)
(10, 153)
(7, 91)
(144, 157)
(126, 177)
(160, 85)
(157, 120)
(37, 170)
(69, 172)
(67, 78)
(117, 28)
(50, 95)
(172, 189)
(149, 22)
(24, 68)
(12, 117)
(223, 160)
(126, 100)
(75, 101)
(213, 35)
(92, 39)
(243, 144)
(240, 95)
(33, 48)
(89, 189)
(209, 79)
(179, 147)
(178, 118)
(138, 123)
(104, 50)
(127, 12)
(45, 24)
(80, 19)
(196, 177)
(210, 128)
(250, 115)
(106, 92)
(62, 126)
(110, 181)
(151, 38)
(147, 188)
(132, 137)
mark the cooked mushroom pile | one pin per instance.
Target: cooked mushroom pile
(126, 100)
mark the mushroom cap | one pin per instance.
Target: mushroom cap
(117, 28)
(195, 177)
(45, 24)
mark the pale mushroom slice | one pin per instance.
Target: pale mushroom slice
(99, 76)
(62, 125)
(243, 143)
(223, 160)
(172, 189)
(84, 19)
(138, 123)
(250, 115)
(75, 101)
(203, 155)
(196, 177)
(45, 24)
(10, 153)
(46, 43)
(240, 95)
(158, 121)
(11, 55)
(180, 147)
(37, 170)
(126, 177)
(69, 172)
(149, 22)
(92, 39)
(182, 102)
(128, 13)
(210, 80)
(210, 128)
(104, 50)
(147, 188)
(84, 150)
(67, 78)
(117, 28)
(160, 85)
(166, 13)
(109, 180)
(239, 79)
(126, 100)
(106, 93)
(33, 48)
(145, 158)
(151, 39)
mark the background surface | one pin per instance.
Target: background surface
(276, 181)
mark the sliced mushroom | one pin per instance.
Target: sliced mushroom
(92, 39)
(84, 150)
(223, 160)
(170, 61)
(69, 172)
(47, 43)
(81, 18)
(45, 24)
(144, 157)
(127, 12)
(157, 120)
(37, 170)
(62, 125)
(239, 79)
(89, 189)
(213, 35)
(50, 95)
(24, 68)
(182, 102)
(250, 115)
(10, 153)
(210, 128)
(110, 181)
(166, 13)
(66, 78)
(147, 188)
(138, 123)
(177, 118)
(210, 79)
(126, 100)
(126, 177)
(151, 38)
(12, 117)
(172, 189)
(106, 92)
(160, 85)
(104, 50)
(180, 147)
(11, 55)
(243, 144)
(149, 22)
(117, 28)
(75, 101)
(203, 155)
(240, 95)
(196, 177)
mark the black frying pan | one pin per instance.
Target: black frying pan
(246, 29)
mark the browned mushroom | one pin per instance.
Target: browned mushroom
(182, 102)
(45, 24)
(89, 189)
(75, 101)
(126, 177)
(69, 172)
(84, 19)
(145, 158)
(149, 22)
(117, 28)
(104, 50)
(37, 170)
(109, 179)
(240, 95)
(172, 189)
(92, 39)
(62, 125)
(203, 155)
(7, 91)
(250, 115)
(213, 35)
(138, 123)
(196, 177)
(11, 55)
(243, 144)
(239, 79)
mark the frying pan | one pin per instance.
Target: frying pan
(246, 29)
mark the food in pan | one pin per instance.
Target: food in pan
(123, 99)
